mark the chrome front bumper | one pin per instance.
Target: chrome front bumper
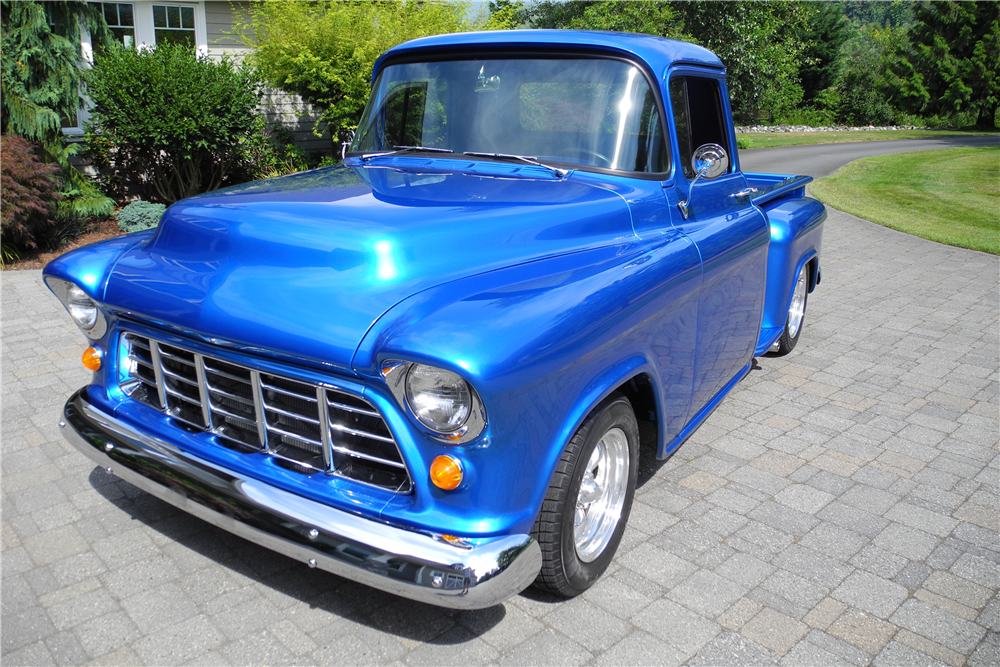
(413, 564)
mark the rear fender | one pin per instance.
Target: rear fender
(796, 238)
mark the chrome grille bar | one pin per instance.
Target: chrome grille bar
(206, 407)
(324, 429)
(258, 406)
(375, 459)
(154, 351)
(305, 427)
(360, 434)
(341, 406)
(293, 415)
(286, 392)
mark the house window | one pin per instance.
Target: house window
(141, 24)
(121, 21)
(174, 25)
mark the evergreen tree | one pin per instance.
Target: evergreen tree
(825, 34)
(950, 65)
(896, 14)
(42, 67)
(41, 76)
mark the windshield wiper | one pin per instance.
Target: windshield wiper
(406, 149)
(520, 158)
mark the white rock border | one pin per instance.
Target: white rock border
(758, 129)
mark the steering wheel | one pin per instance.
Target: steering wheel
(594, 157)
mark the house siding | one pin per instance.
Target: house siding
(279, 107)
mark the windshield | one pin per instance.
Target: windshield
(581, 112)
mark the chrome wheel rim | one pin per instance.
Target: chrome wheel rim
(601, 497)
(797, 310)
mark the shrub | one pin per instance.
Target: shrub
(139, 216)
(744, 143)
(30, 196)
(169, 119)
(40, 76)
(324, 51)
(269, 153)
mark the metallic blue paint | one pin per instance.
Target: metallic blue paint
(546, 293)
(656, 53)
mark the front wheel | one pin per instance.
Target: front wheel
(796, 314)
(588, 502)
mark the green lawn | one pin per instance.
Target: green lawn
(951, 196)
(772, 139)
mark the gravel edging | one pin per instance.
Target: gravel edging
(759, 129)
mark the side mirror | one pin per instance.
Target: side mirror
(709, 162)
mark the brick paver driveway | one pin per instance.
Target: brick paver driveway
(839, 508)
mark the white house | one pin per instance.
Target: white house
(202, 24)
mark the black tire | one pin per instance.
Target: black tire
(563, 571)
(790, 336)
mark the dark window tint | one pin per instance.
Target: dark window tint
(698, 115)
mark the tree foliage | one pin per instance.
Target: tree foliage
(760, 46)
(861, 98)
(825, 33)
(175, 120)
(884, 14)
(42, 68)
(553, 15)
(950, 63)
(759, 42)
(30, 195)
(325, 51)
(651, 18)
(41, 73)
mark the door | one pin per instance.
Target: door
(730, 233)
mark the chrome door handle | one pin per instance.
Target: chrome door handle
(743, 193)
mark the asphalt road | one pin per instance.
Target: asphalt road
(819, 160)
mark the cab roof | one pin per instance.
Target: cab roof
(657, 52)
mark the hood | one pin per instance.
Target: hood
(303, 265)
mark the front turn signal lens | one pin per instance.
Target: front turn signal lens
(446, 472)
(92, 358)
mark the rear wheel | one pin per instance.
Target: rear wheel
(796, 314)
(587, 505)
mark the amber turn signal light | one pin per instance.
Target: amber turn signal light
(92, 358)
(446, 472)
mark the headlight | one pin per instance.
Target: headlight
(81, 307)
(439, 399)
(85, 312)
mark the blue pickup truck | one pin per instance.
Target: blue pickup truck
(425, 369)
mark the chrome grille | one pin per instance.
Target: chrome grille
(304, 427)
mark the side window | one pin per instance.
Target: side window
(698, 116)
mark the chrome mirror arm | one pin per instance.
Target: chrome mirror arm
(709, 161)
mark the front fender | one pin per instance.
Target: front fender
(89, 266)
(542, 343)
